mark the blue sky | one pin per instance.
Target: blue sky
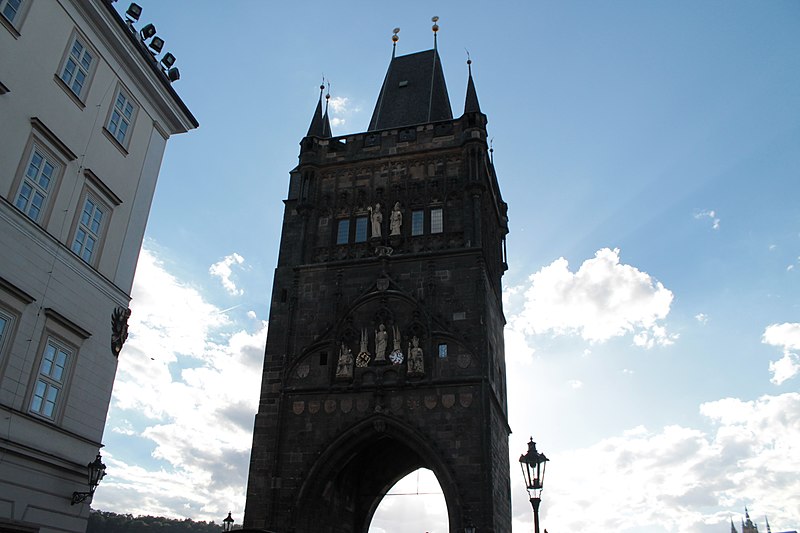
(649, 153)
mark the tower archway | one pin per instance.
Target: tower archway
(350, 478)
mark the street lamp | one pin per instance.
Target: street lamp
(227, 523)
(533, 465)
(96, 472)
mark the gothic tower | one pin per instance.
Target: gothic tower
(385, 347)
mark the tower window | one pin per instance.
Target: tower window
(343, 231)
(361, 229)
(417, 222)
(436, 220)
(323, 358)
(50, 382)
(77, 67)
(89, 229)
(121, 118)
(442, 351)
(36, 184)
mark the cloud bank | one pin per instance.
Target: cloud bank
(224, 270)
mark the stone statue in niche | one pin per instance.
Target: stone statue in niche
(416, 366)
(381, 338)
(363, 355)
(395, 220)
(376, 217)
(396, 357)
(344, 369)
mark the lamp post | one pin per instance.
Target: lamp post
(533, 465)
(227, 522)
(96, 472)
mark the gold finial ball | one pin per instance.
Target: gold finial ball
(395, 38)
(435, 26)
(322, 87)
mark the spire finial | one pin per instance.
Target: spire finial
(469, 62)
(435, 29)
(327, 97)
(491, 150)
(321, 87)
(395, 38)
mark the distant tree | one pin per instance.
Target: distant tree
(107, 522)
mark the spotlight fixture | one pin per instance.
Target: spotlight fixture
(156, 45)
(148, 31)
(168, 60)
(134, 12)
(174, 74)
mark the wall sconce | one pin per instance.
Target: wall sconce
(96, 471)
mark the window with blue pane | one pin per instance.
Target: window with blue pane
(343, 231)
(417, 222)
(10, 9)
(442, 351)
(77, 67)
(88, 231)
(50, 381)
(361, 229)
(36, 184)
(436, 220)
(121, 117)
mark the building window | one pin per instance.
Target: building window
(5, 330)
(10, 9)
(37, 182)
(417, 222)
(343, 231)
(442, 351)
(361, 229)
(121, 118)
(77, 67)
(436, 220)
(90, 225)
(50, 380)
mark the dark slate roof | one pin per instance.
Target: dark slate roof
(413, 92)
(317, 127)
(471, 104)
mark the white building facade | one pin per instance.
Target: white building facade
(85, 115)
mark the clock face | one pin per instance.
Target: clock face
(362, 360)
(396, 357)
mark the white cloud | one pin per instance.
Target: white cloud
(601, 300)
(787, 337)
(251, 314)
(187, 383)
(339, 104)
(708, 214)
(701, 317)
(336, 122)
(223, 271)
(575, 384)
(679, 478)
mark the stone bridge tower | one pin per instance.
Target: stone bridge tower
(385, 347)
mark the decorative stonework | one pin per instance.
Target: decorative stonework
(416, 365)
(344, 367)
(298, 407)
(302, 371)
(119, 329)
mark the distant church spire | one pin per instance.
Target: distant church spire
(471, 104)
(767, 521)
(733, 528)
(317, 129)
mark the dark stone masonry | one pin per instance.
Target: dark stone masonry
(385, 347)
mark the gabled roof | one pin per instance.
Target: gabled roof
(413, 92)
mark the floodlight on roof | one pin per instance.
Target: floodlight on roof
(174, 74)
(168, 60)
(134, 11)
(156, 45)
(148, 31)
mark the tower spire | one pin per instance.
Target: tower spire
(395, 38)
(326, 123)
(471, 104)
(435, 29)
(316, 129)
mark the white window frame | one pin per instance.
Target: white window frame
(69, 78)
(89, 229)
(121, 118)
(51, 378)
(17, 9)
(32, 184)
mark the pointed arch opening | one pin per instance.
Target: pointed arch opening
(415, 503)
